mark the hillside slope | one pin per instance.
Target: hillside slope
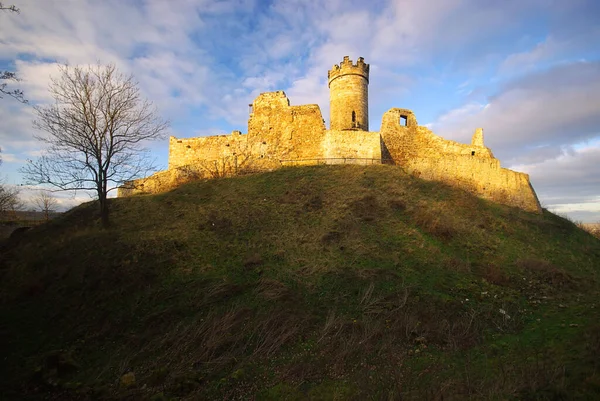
(325, 282)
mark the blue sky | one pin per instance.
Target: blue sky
(527, 71)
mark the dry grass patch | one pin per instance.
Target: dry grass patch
(367, 208)
(274, 290)
(436, 220)
(547, 272)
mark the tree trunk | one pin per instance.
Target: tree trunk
(104, 214)
(103, 209)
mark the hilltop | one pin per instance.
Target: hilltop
(280, 134)
(322, 282)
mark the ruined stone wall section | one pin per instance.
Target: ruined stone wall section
(404, 143)
(283, 131)
(276, 131)
(187, 151)
(349, 95)
(477, 139)
(161, 181)
(471, 167)
(484, 178)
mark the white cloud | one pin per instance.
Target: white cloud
(558, 107)
(523, 61)
(577, 167)
(593, 206)
(551, 50)
(10, 158)
(570, 182)
(35, 78)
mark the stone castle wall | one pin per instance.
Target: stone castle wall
(471, 167)
(361, 146)
(158, 182)
(276, 132)
(281, 134)
(183, 152)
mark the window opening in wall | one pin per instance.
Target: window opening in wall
(404, 121)
(353, 116)
(250, 108)
(472, 153)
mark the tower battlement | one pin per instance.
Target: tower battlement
(346, 67)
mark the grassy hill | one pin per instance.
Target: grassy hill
(339, 282)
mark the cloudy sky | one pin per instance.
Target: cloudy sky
(527, 71)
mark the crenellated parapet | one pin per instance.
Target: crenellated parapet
(347, 68)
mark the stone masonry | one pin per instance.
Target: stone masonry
(280, 134)
(349, 95)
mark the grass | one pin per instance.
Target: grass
(323, 282)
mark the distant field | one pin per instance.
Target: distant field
(17, 219)
(593, 228)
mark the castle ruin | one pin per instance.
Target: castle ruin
(280, 134)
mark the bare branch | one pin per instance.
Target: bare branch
(12, 8)
(9, 197)
(15, 93)
(8, 75)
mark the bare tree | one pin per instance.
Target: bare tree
(9, 75)
(46, 203)
(94, 132)
(9, 197)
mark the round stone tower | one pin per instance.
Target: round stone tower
(349, 95)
